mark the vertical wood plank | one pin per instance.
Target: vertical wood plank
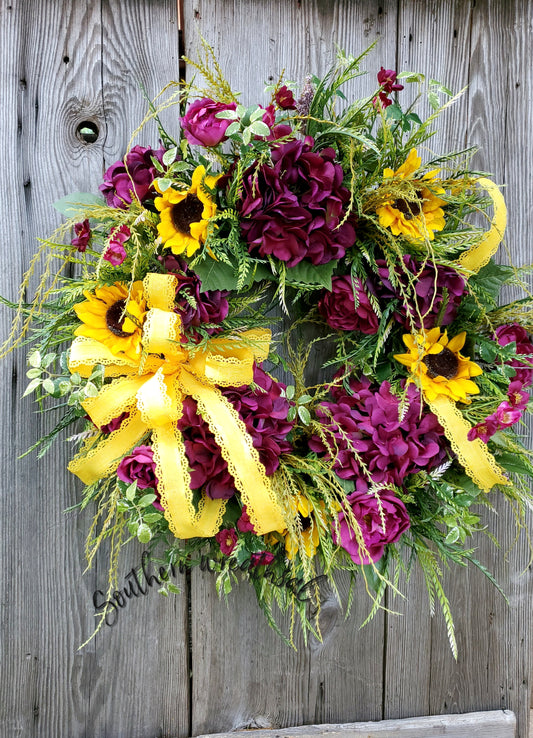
(61, 64)
(261, 682)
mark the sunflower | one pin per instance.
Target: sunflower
(419, 213)
(305, 532)
(185, 214)
(115, 319)
(439, 366)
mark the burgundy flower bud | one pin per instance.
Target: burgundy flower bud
(285, 99)
(200, 125)
(131, 177)
(83, 236)
(115, 252)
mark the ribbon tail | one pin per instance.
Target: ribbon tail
(477, 460)
(175, 490)
(238, 451)
(480, 254)
(100, 459)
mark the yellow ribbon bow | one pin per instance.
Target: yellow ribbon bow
(152, 391)
(474, 455)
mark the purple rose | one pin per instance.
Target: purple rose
(139, 467)
(339, 311)
(83, 236)
(200, 124)
(131, 177)
(382, 519)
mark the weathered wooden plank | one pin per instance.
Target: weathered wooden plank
(341, 678)
(80, 61)
(472, 44)
(495, 724)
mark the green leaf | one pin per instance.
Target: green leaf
(173, 588)
(515, 463)
(227, 115)
(216, 275)
(233, 128)
(291, 415)
(453, 536)
(289, 392)
(304, 399)
(394, 112)
(308, 273)
(31, 387)
(75, 379)
(259, 128)
(247, 136)
(90, 390)
(72, 205)
(144, 534)
(131, 491)
(152, 517)
(147, 500)
(491, 277)
(433, 100)
(305, 415)
(257, 114)
(181, 166)
(169, 156)
(34, 359)
(48, 386)
(33, 373)
(163, 183)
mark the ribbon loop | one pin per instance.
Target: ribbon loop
(152, 391)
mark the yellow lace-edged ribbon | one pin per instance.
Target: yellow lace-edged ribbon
(475, 457)
(153, 397)
(480, 254)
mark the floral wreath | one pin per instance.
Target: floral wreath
(258, 239)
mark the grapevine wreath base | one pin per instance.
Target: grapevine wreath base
(339, 219)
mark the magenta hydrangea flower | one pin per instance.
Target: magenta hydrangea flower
(139, 467)
(293, 208)
(131, 177)
(114, 424)
(195, 306)
(83, 236)
(244, 524)
(227, 540)
(115, 252)
(391, 444)
(382, 518)
(264, 412)
(200, 125)
(514, 333)
(438, 292)
(338, 309)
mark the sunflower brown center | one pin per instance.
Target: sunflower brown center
(186, 212)
(445, 364)
(408, 208)
(115, 317)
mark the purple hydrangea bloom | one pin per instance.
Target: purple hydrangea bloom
(432, 283)
(293, 208)
(391, 445)
(133, 174)
(264, 412)
(195, 306)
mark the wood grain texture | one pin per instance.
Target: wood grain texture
(494, 724)
(84, 61)
(459, 44)
(63, 63)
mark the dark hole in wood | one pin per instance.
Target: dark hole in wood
(87, 131)
(66, 59)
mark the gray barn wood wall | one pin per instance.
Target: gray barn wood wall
(158, 672)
